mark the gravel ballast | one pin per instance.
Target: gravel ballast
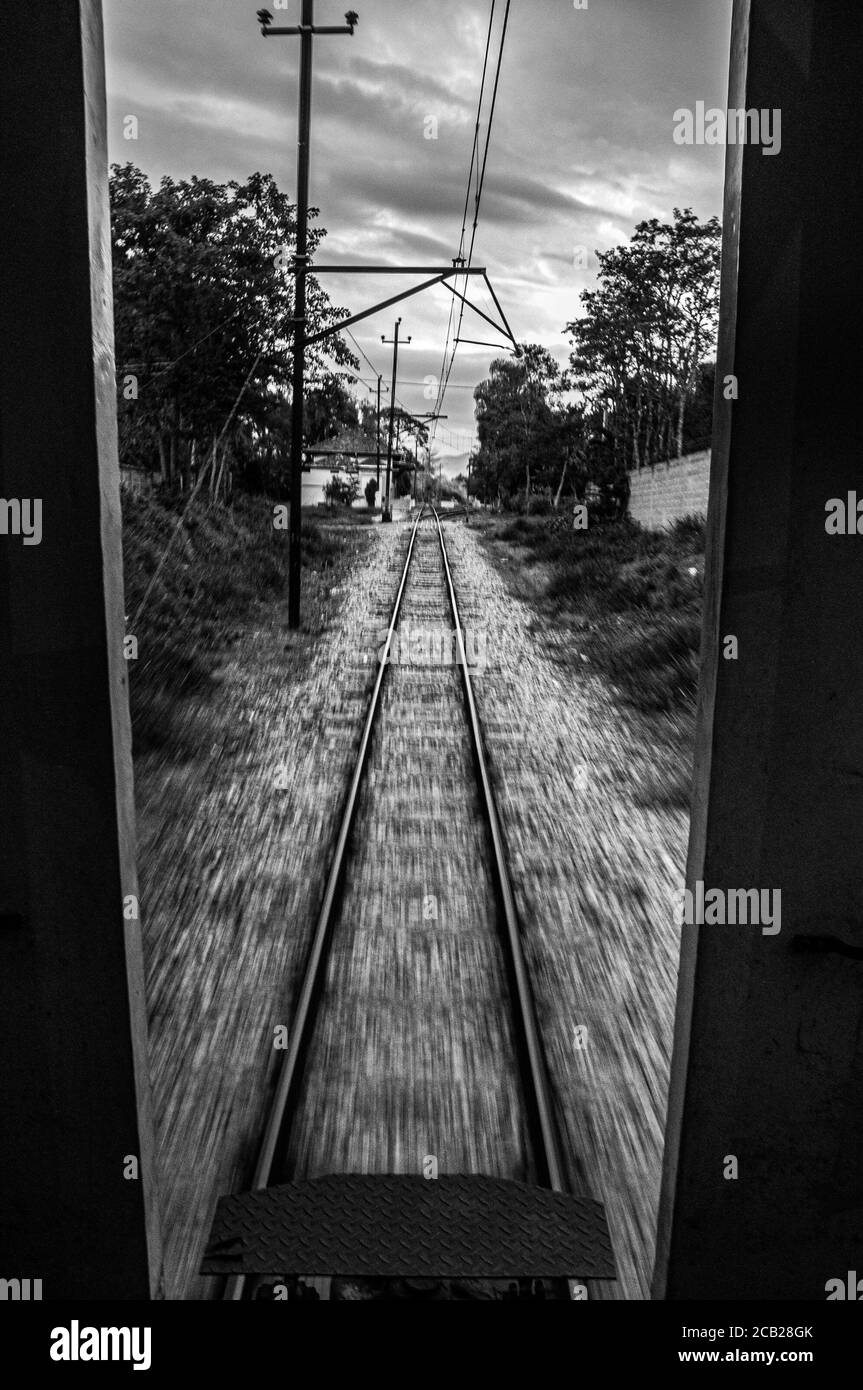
(234, 852)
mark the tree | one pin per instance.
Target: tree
(203, 300)
(527, 433)
(371, 491)
(403, 477)
(329, 409)
(342, 489)
(638, 352)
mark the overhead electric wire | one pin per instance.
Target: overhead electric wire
(481, 180)
(457, 386)
(363, 353)
(399, 404)
(193, 348)
(194, 492)
(477, 199)
(339, 369)
(474, 163)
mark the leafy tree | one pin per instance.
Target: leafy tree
(405, 428)
(528, 434)
(342, 489)
(403, 478)
(698, 429)
(329, 409)
(203, 299)
(639, 350)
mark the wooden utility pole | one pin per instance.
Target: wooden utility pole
(306, 31)
(469, 458)
(297, 382)
(378, 421)
(387, 510)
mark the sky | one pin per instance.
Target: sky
(581, 147)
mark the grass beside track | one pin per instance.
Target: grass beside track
(225, 561)
(630, 599)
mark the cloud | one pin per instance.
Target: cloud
(581, 148)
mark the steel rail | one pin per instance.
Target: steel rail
(291, 1072)
(536, 1083)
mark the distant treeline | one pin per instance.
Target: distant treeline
(640, 370)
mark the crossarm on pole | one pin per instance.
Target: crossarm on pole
(375, 309)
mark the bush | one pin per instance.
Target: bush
(635, 597)
(690, 530)
(222, 560)
(540, 506)
(515, 530)
(342, 489)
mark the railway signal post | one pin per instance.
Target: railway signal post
(306, 31)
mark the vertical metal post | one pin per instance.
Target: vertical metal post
(378, 419)
(306, 32)
(388, 511)
(469, 457)
(295, 536)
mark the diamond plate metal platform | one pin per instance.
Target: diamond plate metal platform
(450, 1227)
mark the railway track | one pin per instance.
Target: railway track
(414, 1046)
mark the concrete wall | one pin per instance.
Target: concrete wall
(662, 494)
(314, 484)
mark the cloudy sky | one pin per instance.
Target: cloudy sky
(581, 148)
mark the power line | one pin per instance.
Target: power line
(193, 494)
(339, 368)
(371, 364)
(473, 163)
(188, 350)
(481, 184)
(363, 354)
(399, 403)
(456, 386)
(479, 191)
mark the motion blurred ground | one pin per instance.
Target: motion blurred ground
(240, 776)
